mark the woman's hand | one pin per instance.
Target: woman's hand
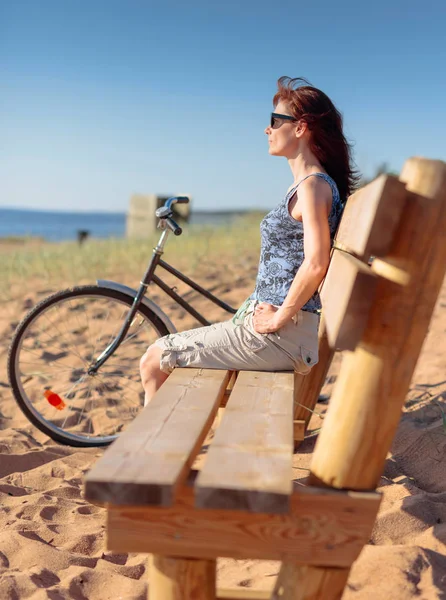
(265, 319)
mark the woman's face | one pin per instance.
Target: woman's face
(282, 139)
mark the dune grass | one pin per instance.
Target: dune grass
(50, 267)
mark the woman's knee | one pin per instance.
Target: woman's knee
(150, 362)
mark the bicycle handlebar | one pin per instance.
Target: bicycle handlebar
(173, 226)
(176, 200)
(164, 213)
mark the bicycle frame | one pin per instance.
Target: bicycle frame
(149, 277)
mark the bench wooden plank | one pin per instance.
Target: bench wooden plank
(371, 216)
(242, 594)
(181, 579)
(324, 527)
(299, 430)
(308, 387)
(249, 464)
(153, 456)
(347, 296)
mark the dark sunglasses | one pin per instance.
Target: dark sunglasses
(276, 118)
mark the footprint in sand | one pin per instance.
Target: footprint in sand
(44, 579)
(4, 562)
(88, 510)
(48, 512)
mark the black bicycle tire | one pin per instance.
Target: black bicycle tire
(29, 318)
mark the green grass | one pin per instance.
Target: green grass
(19, 239)
(50, 267)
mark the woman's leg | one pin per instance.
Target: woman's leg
(231, 346)
(151, 375)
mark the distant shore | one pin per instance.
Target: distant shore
(18, 226)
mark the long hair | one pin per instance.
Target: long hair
(324, 121)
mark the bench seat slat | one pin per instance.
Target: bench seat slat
(153, 455)
(249, 464)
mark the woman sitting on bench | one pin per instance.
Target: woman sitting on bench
(276, 328)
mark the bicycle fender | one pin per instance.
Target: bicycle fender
(119, 287)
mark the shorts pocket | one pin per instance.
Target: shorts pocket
(309, 357)
(253, 342)
(252, 339)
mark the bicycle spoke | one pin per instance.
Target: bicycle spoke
(76, 317)
(85, 404)
(130, 337)
(116, 405)
(116, 331)
(122, 396)
(127, 385)
(121, 376)
(109, 365)
(59, 370)
(123, 400)
(50, 362)
(115, 401)
(55, 352)
(98, 341)
(65, 336)
(57, 329)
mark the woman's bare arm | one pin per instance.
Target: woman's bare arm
(314, 204)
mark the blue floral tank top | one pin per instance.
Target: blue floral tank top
(282, 249)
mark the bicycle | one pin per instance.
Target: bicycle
(73, 363)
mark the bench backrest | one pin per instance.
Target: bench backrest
(366, 231)
(367, 228)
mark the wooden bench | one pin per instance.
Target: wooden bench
(242, 502)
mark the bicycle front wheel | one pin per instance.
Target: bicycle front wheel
(52, 350)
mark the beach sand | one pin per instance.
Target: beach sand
(52, 542)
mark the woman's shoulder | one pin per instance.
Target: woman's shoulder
(316, 179)
(325, 185)
(313, 179)
(318, 185)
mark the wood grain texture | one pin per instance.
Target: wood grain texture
(366, 404)
(391, 270)
(371, 217)
(153, 456)
(324, 527)
(242, 594)
(297, 582)
(347, 295)
(299, 430)
(307, 388)
(365, 407)
(181, 579)
(249, 464)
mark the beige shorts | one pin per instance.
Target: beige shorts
(235, 345)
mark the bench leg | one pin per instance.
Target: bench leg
(301, 582)
(308, 387)
(181, 578)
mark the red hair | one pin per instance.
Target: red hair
(324, 121)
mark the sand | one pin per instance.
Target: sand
(52, 541)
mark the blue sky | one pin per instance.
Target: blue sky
(101, 99)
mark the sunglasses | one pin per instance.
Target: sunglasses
(277, 120)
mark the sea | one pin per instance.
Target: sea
(61, 226)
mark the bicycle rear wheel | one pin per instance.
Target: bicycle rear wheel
(52, 350)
